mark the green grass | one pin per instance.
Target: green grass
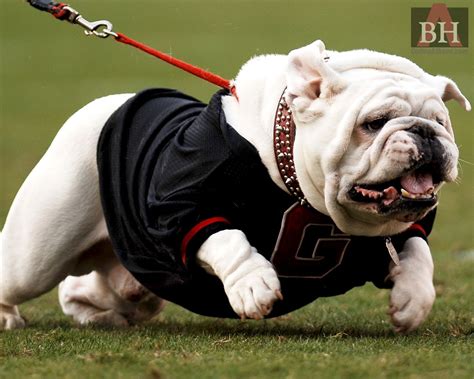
(48, 70)
(333, 338)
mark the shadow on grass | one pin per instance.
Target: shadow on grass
(286, 328)
(217, 328)
(176, 321)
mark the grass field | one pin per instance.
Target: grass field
(48, 70)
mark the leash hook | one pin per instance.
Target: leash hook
(100, 28)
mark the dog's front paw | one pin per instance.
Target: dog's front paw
(253, 288)
(412, 298)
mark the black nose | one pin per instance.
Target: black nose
(422, 130)
(431, 150)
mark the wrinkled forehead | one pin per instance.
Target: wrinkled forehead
(394, 93)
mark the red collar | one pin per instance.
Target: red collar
(284, 131)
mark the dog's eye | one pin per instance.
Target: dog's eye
(375, 125)
(439, 121)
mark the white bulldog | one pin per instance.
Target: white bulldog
(372, 146)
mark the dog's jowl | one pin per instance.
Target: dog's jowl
(321, 175)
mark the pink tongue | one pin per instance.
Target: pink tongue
(417, 183)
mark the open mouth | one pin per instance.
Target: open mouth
(416, 189)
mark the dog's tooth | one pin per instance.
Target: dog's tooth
(426, 196)
(410, 195)
(405, 193)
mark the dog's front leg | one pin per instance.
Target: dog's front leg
(250, 281)
(413, 293)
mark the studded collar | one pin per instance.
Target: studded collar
(284, 131)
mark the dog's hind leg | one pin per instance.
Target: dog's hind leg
(56, 215)
(109, 295)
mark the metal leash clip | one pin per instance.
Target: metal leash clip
(100, 28)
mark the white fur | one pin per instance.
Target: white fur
(329, 158)
(250, 282)
(56, 228)
(413, 293)
(56, 215)
(108, 295)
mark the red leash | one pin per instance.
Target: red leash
(199, 72)
(103, 29)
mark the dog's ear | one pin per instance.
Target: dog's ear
(309, 77)
(451, 91)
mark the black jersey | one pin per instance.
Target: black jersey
(172, 172)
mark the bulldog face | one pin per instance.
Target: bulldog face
(374, 141)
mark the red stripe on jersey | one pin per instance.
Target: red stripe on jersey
(195, 230)
(418, 227)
